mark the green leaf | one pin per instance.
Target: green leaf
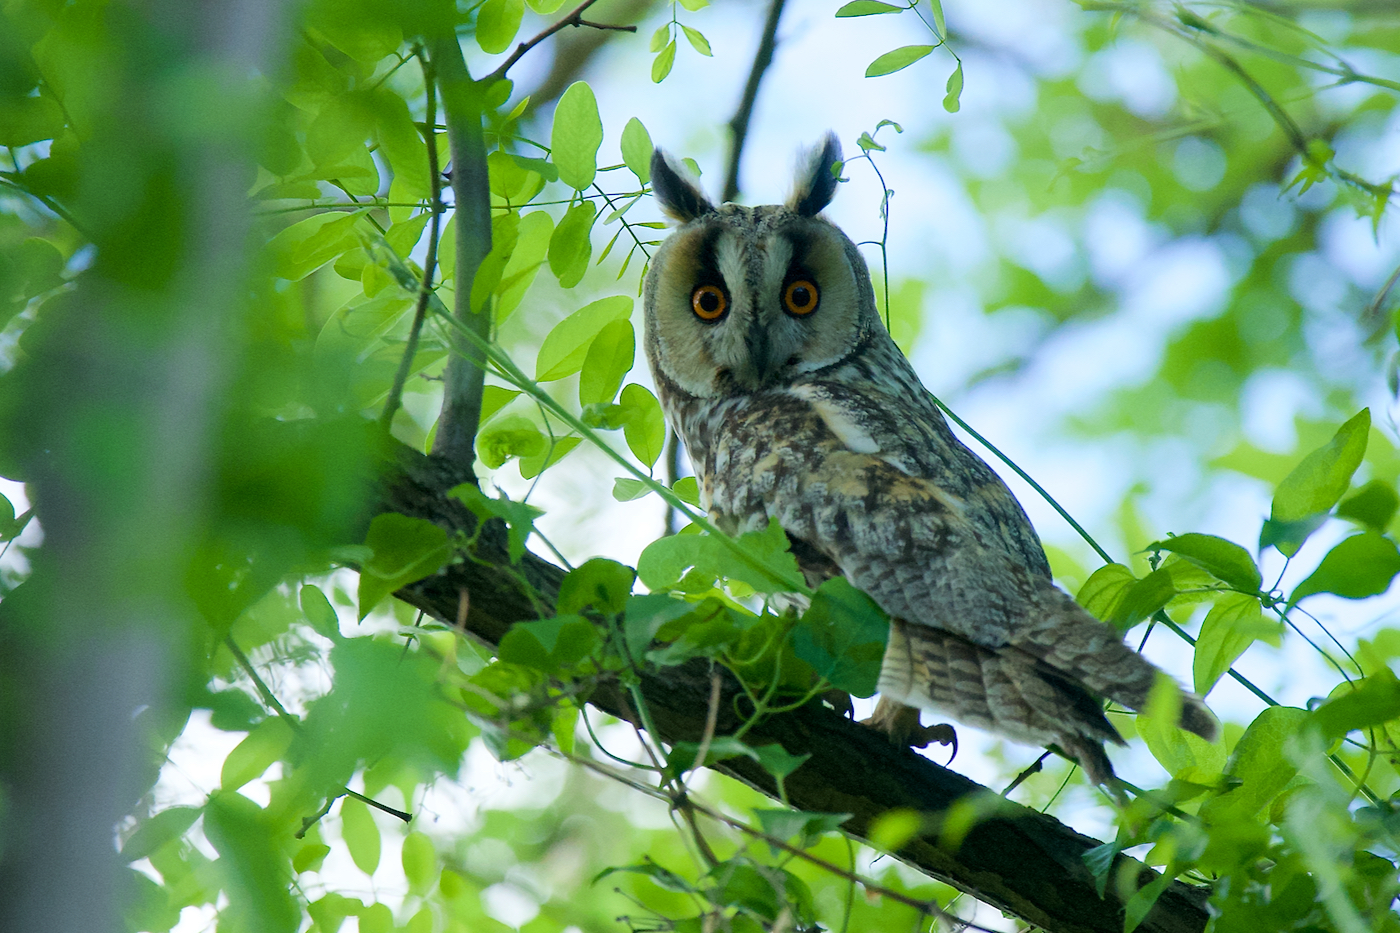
(1360, 566)
(494, 398)
(361, 834)
(310, 857)
(519, 517)
(645, 615)
(256, 870)
(867, 8)
(419, 862)
(565, 347)
(509, 436)
(766, 564)
(1143, 899)
(554, 645)
(1185, 755)
(602, 584)
(897, 60)
(893, 828)
(576, 136)
(806, 825)
(644, 426)
(778, 762)
(952, 102)
(682, 756)
(319, 612)
(233, 710)
(697, 40)
(405, 550)
(664, 879)
(25, 120)
(268, 742)
(151, 834)
(402, 145)
(497, 23)
(694, 5)
(533, 466)
(307, 245)
(939, 23)
(1225, 560)
(1375, 701)
(688, 489)
(1105, 589)
(570, 246)
(1319, 481)
(545, 7)
(1259, 764)
(842, 635)
(626, 489)
(637, 149)
(536, 230)
(1142, 599)
(660, 37)
(1373, 505)
(505, 233)
(661, 65)
(1234, 623)
(608, 361)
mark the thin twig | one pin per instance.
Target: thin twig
(420, 310)
(928, 907)
(573, 19)
(739, 123)
(711, 718)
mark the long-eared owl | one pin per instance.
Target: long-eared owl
(794, 403)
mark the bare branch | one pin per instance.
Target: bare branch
(575, 18)
(739, 124)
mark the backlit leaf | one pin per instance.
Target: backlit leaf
(1234, 623)
(576, 136)
(1226, 561)
(565, 347)
(1360, 566)
(607, 363)
(497, 23)
(570, 246)
(268, 742)
(661, 65)
(644, 426)
(897, 60)
(867, 8)
(361, 835)
(637, 149)
(1319, 481)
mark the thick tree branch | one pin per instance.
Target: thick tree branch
(1016, 859)
(466, 373)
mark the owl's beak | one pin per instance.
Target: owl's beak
(760, 347)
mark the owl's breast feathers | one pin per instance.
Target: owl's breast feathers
(868, 481)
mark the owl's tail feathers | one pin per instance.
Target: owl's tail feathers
(1070, 639)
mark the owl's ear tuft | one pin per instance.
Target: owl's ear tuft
(680, 197)
(816, 180)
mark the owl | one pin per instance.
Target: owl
(794, 404)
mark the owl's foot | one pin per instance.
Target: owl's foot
(901, 724)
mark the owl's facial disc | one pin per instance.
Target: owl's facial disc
(751, 299)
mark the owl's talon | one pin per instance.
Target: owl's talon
(901, 724)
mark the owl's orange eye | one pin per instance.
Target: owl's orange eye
(708, 303)
(800, 297)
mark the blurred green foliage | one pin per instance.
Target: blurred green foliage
(115, 132)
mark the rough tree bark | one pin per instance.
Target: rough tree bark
(1020, 861)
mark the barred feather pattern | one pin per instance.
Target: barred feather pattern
(831, 433)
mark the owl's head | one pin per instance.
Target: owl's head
(745, 298)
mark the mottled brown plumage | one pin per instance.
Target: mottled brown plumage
(772, 363)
